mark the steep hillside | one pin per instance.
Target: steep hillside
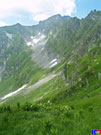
(50, 77)
(28, 53)
(17, 66)
(58, 107)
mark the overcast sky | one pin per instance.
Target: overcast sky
(29, 12)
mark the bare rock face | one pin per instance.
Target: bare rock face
(50, 41)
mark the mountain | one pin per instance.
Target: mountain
(51, 69)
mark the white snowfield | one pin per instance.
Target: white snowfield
(13, 93)
(29, 89)
(53, 63)
(35, 40)
(54, 60)
(41, 55)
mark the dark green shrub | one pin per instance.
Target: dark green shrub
(48, 126)
(5, 118)
(4, 108)
(8, 108)
(1, 109)
(69, 114)
(35, 107)
(30, 107)
(90, 108)
(18, 105)
(27, 107)
(72, 107)
(81, 113)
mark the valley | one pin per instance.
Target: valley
(50, 76)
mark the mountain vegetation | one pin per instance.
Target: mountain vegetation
(70, 101)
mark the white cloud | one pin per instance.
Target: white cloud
(2, 24)
(41, 17)
(39, 9)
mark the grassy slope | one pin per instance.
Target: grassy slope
(60, 112)
(54, 119)
(63, 110)
(20, 69)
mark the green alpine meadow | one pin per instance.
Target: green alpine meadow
(50, 76)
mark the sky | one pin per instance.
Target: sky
(30, 12)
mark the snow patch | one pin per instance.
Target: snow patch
(54, 60)
(39, 33)
(54, 64)
(35, 40)
(29, 43)
(32, 37)
(13, 93)
(9, 35)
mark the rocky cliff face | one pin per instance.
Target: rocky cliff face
(25, 49)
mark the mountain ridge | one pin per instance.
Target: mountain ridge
(51, 39)
(46, 44)
(50, 77)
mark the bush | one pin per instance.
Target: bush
(90, 108)
(81, 113)
(5, 118)
(30, 107)
(5, 108)
(35, 107)
(48, 125)
(8, 108)
(18, 105)
(1, 109)
(69, 114)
